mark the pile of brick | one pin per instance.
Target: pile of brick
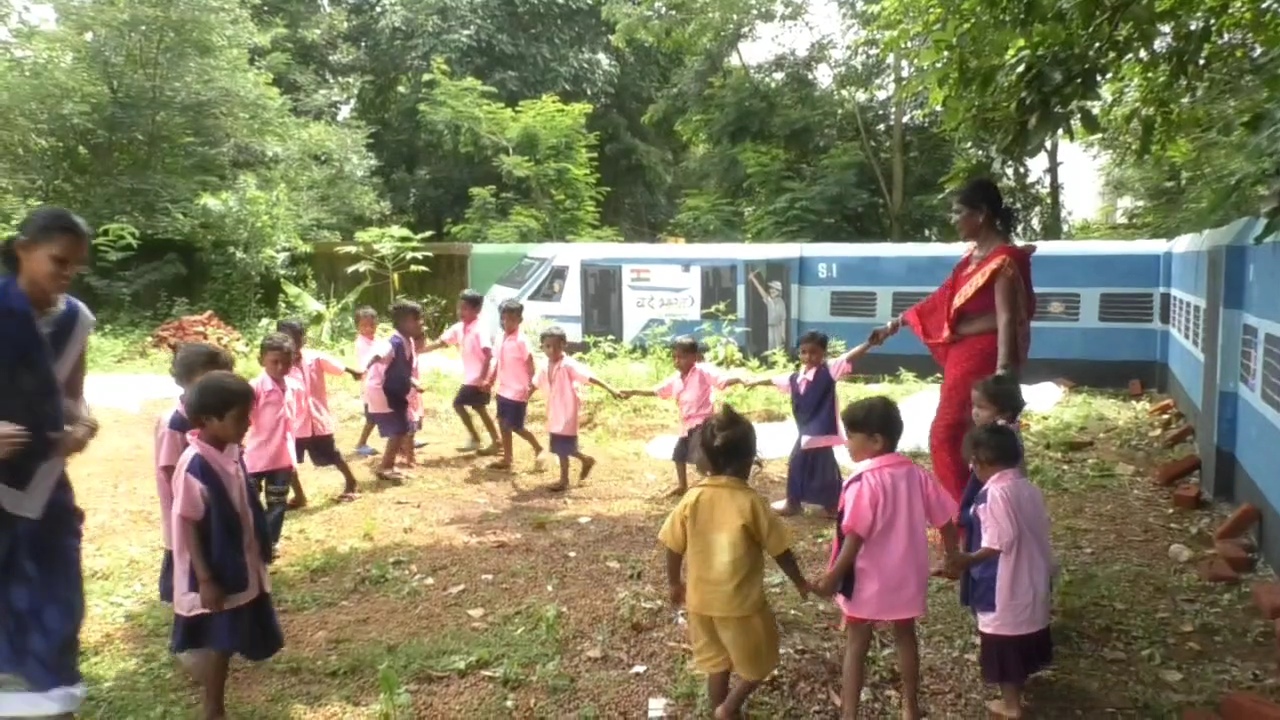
(1231, 557)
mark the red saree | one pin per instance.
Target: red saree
(968, 292)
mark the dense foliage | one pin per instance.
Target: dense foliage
(218, 140)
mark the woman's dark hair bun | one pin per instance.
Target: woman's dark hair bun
(9, 253)
(983, 194)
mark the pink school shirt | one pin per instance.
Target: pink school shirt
(189, 506)
(374, 397)
(170, 445)
(269, 444)
(1014, 521)
(560, 382)
(311, 417)
(890, 502)
(693, 393)
(364, 353)
(473, 342)
(512, 372)
(838, 368)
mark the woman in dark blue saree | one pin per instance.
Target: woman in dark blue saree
(43, 337)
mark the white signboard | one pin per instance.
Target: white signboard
(664, 292)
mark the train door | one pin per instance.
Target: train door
(769, 298)
(602, 301)
(719, 291)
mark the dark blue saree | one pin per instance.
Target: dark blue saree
(41, 586)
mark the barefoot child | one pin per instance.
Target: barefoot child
(997, 400)
(559, 380)
(477, 354)
(191, 362)
(366, 340)
(879, 569)
(269, 446)
(813, 475)
(1007, 567)
(692, 386)
(221, 543)
(513, 372)
(390, 382)
(723, 529)
(313, 425)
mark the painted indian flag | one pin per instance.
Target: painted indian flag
(639, 275)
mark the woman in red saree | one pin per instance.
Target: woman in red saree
(976, 324)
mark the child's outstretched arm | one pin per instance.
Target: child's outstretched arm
(606, 387)
(434, 345)
(787, 562)
(856, 352)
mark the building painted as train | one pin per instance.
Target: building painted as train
(1194, 316)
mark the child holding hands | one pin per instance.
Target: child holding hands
(879, 569)
(1007, 569)
(723, 528)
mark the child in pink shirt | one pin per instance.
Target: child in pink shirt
(366, 340)
(221, 545)
(692, 386)
(1007, 571)
(879, 570)
(313, 425)
(268, 448)
(513, 374)
(191, 362)
(477, 354)
(559, 380)
(813, 475)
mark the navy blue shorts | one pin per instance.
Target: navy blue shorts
(563, 445)
(686, 450)
(322, 449)
(511, 413)
(470, 396)
(392, 424)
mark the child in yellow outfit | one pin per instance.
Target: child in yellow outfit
(719, 530)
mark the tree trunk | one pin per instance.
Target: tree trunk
(899, 172)
(1053, 223)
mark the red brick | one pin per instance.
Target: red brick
(1216, 570)
(1266, 597)
(1135, 388)
(1175, 470)
(1235, 556)
(1238, 523)
(1162, 407)
(1199, 714)
(1174, 438)
(1187, 496)
(1248, 706)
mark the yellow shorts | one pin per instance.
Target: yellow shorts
(747, 645)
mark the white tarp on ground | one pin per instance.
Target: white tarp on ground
(127, 392)
(776, 439)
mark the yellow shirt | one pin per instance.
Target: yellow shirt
(722, 527)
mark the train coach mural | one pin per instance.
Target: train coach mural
(1195, 317)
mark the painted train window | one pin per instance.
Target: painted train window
(853, 304)
(1269, 380)
(904, 300)
(1197, 328)
(1127, 307)
(1166, 302)
(552, 286)
(1249, 356)
(1057, 307)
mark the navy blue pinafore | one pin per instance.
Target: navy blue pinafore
(813, 475)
